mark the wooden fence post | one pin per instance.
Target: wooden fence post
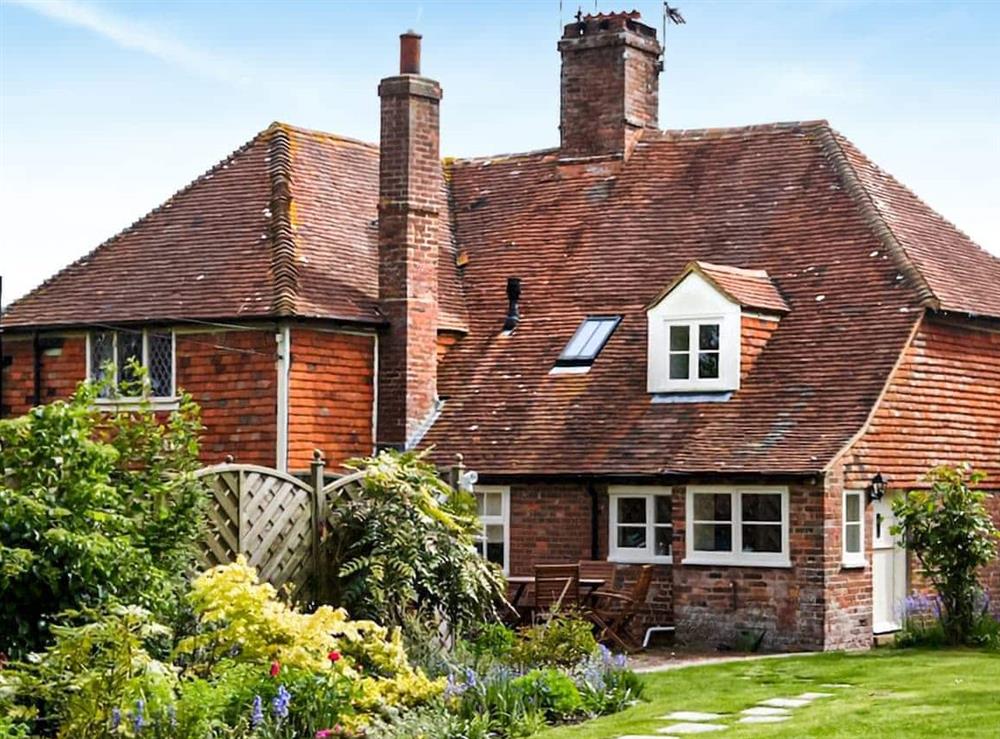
(318, 525)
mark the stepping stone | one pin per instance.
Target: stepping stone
(646, 736)
(836, 685)
(763, 719)
(690, 728)
(764, 711)
(814, 696)
(691, 716)
(785, 702)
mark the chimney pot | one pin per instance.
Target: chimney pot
(409, 52)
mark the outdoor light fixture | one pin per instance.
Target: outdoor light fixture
(876, 488)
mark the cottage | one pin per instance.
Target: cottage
(704, 350)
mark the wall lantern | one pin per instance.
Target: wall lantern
(876, 488)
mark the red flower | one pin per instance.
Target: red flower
(275, 668)
(324, 733)
(333, 656)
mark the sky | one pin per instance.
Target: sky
(107, 108)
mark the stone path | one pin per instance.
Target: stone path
(770, 711)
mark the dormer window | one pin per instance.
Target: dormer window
(586, 343)
(694, 329)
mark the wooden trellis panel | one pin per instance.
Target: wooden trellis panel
(270, 518)
(267, 516)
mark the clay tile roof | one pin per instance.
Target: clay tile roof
(777, 206)
(284, 226)
(750, 288)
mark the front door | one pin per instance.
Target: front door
(888, 570)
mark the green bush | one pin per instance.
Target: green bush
(952, 535)
(94, 509)
(552, 692)
(404, 545)
(562, 641)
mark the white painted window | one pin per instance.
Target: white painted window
(110, 353)
(854, 528)
(693, 340)
(641, 524)
(742, 526)
(493, 508)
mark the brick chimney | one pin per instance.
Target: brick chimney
(410, 188)
(610, 84)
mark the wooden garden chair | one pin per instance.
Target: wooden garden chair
(613, 612)
(556, 587)
(597, 569)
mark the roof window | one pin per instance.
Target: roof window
(587, 342)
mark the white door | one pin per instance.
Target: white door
(888, 570)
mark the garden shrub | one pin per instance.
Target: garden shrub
(551, 691)
(606, 684)
(562, 641)
(404, 545)
(94, 509)
(952, 535)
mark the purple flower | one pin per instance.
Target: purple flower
(139, 720)
(116, 718)
(470, 677)
(257, 712)
(281, 702)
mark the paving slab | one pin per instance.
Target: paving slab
(691, 728)
(647, 736)
(691, 716)
(764, 711)
(763, 719)
(785, 702)
(836, 685)
(814, 696)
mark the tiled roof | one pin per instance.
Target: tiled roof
(284, 226)
(605, 238)
(750, 288)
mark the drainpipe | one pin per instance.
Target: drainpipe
(284, 341)
(595, 538)
(36, 348)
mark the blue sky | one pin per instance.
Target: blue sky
(106, 108)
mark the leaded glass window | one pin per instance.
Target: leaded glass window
(113, 355)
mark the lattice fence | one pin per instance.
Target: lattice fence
(271, 519)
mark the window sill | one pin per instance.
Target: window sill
(639, 559)
(853, 564)
(708, 559)
(135, 404)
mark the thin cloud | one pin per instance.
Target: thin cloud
(134, 36)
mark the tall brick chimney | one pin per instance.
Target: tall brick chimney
(410, 190)
(610, 84)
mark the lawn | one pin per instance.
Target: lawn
(893, 693)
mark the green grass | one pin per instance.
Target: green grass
(893, 693)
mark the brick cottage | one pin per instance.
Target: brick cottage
(695, 349)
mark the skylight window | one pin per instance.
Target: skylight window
(587, 342)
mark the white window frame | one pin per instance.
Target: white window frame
(165, 402)
(736, 557)
(853, 559)
(502, 520)
(646, 554)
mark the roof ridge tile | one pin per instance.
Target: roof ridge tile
(284, 271)
(830, 145)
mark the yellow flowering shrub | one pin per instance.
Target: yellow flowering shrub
(242, 619)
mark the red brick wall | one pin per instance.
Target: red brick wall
(233, 376)
(331, 393)
(848, 589)
(64, 365)
(712, 603)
